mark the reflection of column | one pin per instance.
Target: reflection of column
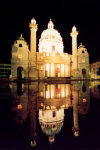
(33, 109)
(75, 115)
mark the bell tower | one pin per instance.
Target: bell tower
(74, 34)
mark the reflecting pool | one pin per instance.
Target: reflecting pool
(40, 115)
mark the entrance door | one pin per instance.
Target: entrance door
(20, 73)
(84, 73)
(57, 70)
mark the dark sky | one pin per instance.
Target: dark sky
(15, 16)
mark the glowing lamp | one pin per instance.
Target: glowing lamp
(19, 106)
(84, 100)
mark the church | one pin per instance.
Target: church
(47, 59)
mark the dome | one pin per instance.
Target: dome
(50, 40)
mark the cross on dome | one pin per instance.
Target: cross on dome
(50, 24)
(21, 36)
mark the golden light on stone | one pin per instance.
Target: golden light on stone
(41, 104)
(50, 60)
(76, 133)
(83, 60)
(41, 94)
(19, 56)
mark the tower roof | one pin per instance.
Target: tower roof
(21, 37)
(50, 24)
(81, 45)
(33, 21)
(74, 28)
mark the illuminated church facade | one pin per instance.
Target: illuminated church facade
(50, 61)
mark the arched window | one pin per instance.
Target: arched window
(20, 45)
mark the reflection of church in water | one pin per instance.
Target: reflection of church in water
(49, 101)
(50, 61)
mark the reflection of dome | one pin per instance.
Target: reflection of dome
(51, 122)
(49, 130)
(51, 40)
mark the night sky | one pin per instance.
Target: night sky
(15, 16)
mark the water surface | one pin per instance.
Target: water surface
(50, 116)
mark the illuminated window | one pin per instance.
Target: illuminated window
(19, 106)
(20, 45)
(19, 56)
(41, 94)
(83, 60)
(53, 36)
(84, 100)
